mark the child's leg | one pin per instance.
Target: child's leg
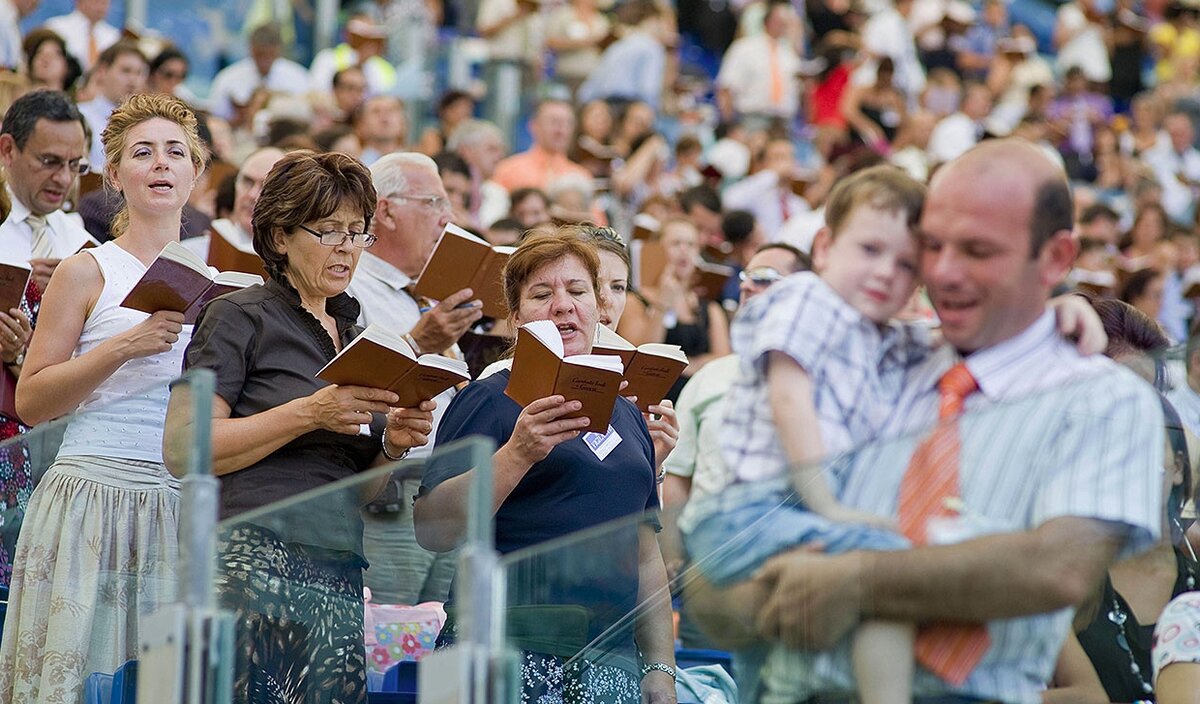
(882, 655)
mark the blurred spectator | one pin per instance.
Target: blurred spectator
(575, 33)
(85, 31)
(1077, 112)
(768, 194)
(757, 76)
(349, 91)
(453, 108)
(381, 127)
(364, 47)
(1079, 37)
(833, 66)
(1100, 223)
(957, 133)
(1145, 114)
(942, 94)
(552, 128)
(702, 206)
(456, 178)
(635, 123)
(910, 150)
(887, 33)
(236, 228)
(49, 64)
(514, 32)
(168, 71)
(685, 172)
(1176, 164)
(11, 14)
(530, 207)
(632, 67)
(1128, 53)
(120, 72)
(875, 111)
(977, 49)
(1144, 290)
(1016, 71)
(265, 68)
(504, 231)
(481, 145)
(593, 145)
(1176, 39)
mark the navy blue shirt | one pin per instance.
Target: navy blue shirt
(568, 491)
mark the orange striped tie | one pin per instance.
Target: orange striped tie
(776, 74)
(949, 650)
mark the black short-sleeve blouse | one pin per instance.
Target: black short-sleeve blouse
(265, 350)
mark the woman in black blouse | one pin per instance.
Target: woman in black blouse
(277, 431)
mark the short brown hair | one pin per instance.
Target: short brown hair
(304, 186)
(884, 188)
(109, 56)
(538, 250)
(133, 112)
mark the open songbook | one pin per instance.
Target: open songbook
(540, 369)
(226, 255)
(651, 369)
(179, 280)
(462, 260)
(383, 360)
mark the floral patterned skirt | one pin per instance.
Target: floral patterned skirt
(97, 550)
(299, 620)
(16, 483)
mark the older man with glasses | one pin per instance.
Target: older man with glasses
(43, 146)
(410, 214)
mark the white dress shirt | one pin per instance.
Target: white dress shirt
(762, 195)
(236, 236)
(97, 111)
(16, 237)
(746, 73)
(237, 82)
(379, 289)
(11, 54)
(74, 29)
(1168, 164)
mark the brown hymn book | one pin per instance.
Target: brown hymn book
(651, 369)
(13, 282)
(382, 360)
(645, 226)
(540, 370)
(178, 280)
(462, 260)
(710, 280)
(1191, 283)
(224, 255)
(649, 260)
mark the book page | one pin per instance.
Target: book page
(660, 349)
(178, 253)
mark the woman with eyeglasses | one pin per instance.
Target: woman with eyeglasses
(277, 431)
(97, 548)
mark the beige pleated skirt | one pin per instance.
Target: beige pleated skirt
(98, 549)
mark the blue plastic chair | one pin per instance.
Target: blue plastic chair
(124, 684)
(97, 688)
(401, 677)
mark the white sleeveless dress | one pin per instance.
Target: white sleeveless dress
(98, 548)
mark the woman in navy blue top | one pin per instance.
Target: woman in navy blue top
(551, 480)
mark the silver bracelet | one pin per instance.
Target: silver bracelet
(661, 667)
(387, 455)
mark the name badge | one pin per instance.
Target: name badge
(601, 444)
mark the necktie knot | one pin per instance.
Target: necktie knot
(954, 387)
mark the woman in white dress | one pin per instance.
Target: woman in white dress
(98, 548)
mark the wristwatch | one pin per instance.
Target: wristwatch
(661, 667)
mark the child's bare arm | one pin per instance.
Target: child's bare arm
(790, 393)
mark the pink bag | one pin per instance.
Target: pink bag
(400, 633)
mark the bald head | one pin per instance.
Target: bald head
(249, 184)
(1016, 172)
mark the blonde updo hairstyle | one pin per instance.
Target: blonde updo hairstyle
(133, 112)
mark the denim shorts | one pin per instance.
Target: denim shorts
(737, 532)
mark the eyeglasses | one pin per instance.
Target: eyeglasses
(335, 238)
(52, 163)
(172, 75)
(760, 276)
(435, 203)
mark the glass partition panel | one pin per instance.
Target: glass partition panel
(293, 573)
(1049, 472)
(89, 518)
